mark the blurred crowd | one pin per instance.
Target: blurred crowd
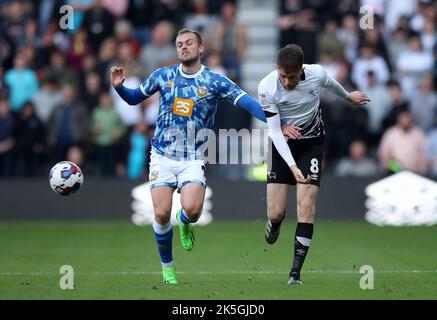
(56, 102)
(392, 60)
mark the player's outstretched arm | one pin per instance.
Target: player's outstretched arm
(131, 96)
(252, 106)
(355, 97)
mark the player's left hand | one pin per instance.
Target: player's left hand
(291, 132)
(357, 97)
(298, 175)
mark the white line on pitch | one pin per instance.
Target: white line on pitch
(128, 273)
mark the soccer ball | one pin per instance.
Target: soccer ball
(66, 178)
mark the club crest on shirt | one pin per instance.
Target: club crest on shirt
(315, 92)
(202, 91)
(153, 175)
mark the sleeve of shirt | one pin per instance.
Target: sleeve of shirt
(275, 133)
(271, 112)
(228, 90)
(332, 85)
(266, 101)
(151, 85)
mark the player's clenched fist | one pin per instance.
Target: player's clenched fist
(117, 76)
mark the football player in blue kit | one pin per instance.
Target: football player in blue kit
(189, 93)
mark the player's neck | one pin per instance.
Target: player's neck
(191, 69)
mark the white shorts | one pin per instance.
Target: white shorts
(167, 172)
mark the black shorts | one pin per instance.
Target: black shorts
(308, 154)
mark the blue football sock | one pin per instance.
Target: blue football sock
(163, 236)
(185, 219)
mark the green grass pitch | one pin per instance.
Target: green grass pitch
(117, 260)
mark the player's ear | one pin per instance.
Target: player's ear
(301, 71)
(201, 48)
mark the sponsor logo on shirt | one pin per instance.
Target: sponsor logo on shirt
(183, 107)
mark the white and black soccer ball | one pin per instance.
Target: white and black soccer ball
(66, 178)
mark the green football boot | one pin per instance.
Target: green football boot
(169, 275)
(186, 232)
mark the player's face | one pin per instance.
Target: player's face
(289, 80)
(188, 49)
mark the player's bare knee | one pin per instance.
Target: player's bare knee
(275, 213)
(193, 211)
(162, 217)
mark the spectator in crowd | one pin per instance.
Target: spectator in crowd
(22, 82)
(404, 144)
(424, 104)
(75, 154)
(411, 65)
(68, 124)
(230, 39)
(4, 88)
(431, 150)
(327, 41)
(117, 8)
(139, 14)
(369, 61)
(377, 108)
(348, 33)
(357, 164)
(398, 103)
(136, 162)
(99, 23)
(14, 20)
(7, 141)
(123, 32)
(79, 48)
(59, 70)
(46, 99)
(130, 115)
(107, 53)
(106, 129)
(396, 45)
(161, 50)
(126, 58)
(93, 89)
(30, 141)
(373, 37)
(214, 63)
(199, 17)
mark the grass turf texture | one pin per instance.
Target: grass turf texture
(230, 260)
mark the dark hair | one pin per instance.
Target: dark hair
(290, 58)
(195, 32)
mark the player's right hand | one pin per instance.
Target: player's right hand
(299, 176)
(291, 132)
(117, 76)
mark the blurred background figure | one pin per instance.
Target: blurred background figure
(7, 141)
(30, 142)
(107, 130)
(68, 124)
(230, 40)
(358, 163)
(404, 146)
(22, 82)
